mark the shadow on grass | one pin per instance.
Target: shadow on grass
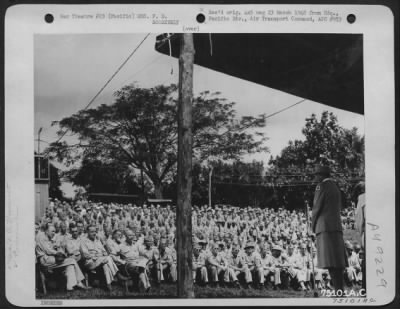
(170, 291)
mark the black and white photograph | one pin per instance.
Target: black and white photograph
(226, 155)
(274, 183)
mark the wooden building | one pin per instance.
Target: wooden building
(42, 182)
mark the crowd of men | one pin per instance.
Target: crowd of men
(239, 247)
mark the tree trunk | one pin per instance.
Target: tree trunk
(210, 186)
(184, 207)
(142, 186)
(158, 188)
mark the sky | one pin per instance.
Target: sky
(71, 68)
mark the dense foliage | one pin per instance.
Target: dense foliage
(325, 142)
(139, 130)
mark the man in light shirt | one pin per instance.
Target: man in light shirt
(217, 266)
(96, 257)
(199, 269)
(134, 264)
(253, 261)
(51, 257)
(73, 244)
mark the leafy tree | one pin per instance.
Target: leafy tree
(104, 177)
(140, 130)
(240, 183)
(237, 183)
(326, 142)
(55, 183)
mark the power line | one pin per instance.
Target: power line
(150, 63)
(265, 185)
(117, 71)
(270, 115)
(110, 79)
(277, 185)
(286, 108)
(41, 140)
(278, 175)
(142, 69)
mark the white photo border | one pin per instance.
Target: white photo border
(22, 22)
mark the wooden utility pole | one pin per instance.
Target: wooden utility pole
(184, 205)
(38, 141)
(210, 186)
(142, 184)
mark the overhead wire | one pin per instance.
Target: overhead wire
(284, 109)
(150, 63)
(109, 80)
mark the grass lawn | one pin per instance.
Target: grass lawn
(168, 290)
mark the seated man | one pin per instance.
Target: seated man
(171, 249)
(353, 271)
(52, 258)
(61, 237)
(266, 263)
(253, 261)
(113, 247)
(95, 256)
(217, 265)
(199, 268)
(292, 260)
(204, 247)
(166, 260)
(81, 229)
(238, 268)
(134, 264)
(278, 266)
(360, 256)
(73, 244)
(303, 266)
(104, 233)
(151, 253)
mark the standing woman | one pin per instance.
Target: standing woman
(359, 195)
(326, 224)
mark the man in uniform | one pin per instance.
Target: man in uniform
(253, 262)
(217, 265)
(304, 268)
(152, 255)
(96, 256)
(113, 247)
(52, 258)
(353, 271)
(81, 229)
(266, 261)
(278, 265)
(104, 234)
(326, 224)
(134, 264)
(166, 262)
(199, 268)
(61, 237)
(292, 259)
(73, 244)
(204, 247)
(238, 268)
